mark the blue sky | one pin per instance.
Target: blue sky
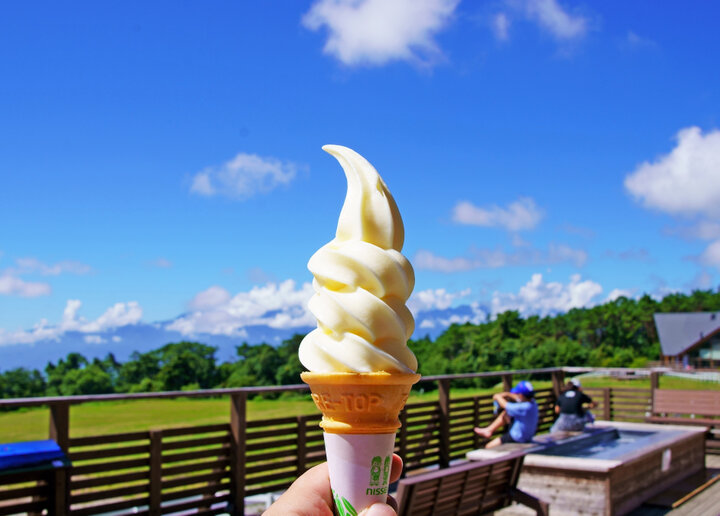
(161, 162)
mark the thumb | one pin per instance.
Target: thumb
(378, 509)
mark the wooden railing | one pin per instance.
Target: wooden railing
(212, 469)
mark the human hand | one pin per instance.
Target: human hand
(310, 495)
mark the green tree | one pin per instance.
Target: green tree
(22, 383)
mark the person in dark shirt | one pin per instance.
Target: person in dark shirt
(572, 416)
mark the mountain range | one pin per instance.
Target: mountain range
(142, 337)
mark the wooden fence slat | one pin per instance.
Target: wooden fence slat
(110, 507)
(223, 462)
(110, 466)
(108, 452)
(262, 423)
(22, 492)
(194, 479)
(221, 451)
(26, 507)
(274, 432)
(289, 474)
(290, 443)
(166, 509)
(195, 443)
(185, 492)
(93, 440)
(191, 430)
(105, 494)
(290, 462)
(86, 483)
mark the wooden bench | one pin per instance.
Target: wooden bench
(468, 489)
(680, 407)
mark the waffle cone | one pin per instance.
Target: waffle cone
(360, 403)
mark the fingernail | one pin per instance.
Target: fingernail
(378, 509)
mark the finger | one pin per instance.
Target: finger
(396, 468)
(392, 502)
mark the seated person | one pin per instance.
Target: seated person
(519, 410)
(572, 417)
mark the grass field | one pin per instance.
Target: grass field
(130, 416)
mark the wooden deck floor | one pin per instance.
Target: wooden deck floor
(706, 503)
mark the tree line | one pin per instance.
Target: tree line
(619, 333)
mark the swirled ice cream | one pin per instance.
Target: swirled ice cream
(362, 282)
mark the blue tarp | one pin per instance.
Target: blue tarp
(29, 453)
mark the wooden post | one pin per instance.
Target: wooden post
(606, 404)
(476, 421)
(654, 384)
(155, 472)
(60, 424)
(59, 492)
(558, 381)
(444, 405)
(507, 382)
(301, 444)
(238, 420)
(59, 432)
(401, 440)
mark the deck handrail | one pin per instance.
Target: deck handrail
(265, 389)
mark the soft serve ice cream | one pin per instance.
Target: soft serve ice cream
(360, 368)
(362, 282)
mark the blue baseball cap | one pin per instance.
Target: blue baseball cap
(523, 387)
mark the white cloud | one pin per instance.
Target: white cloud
(427, 260)
(538, 297)
(434, 299)
(33, 265)
(519, 215)
(637, 254)
(491, 259)
(711, 255)
(701, 230)
(635, 41)
(94, 339)
(162, 263)
(501, 26)
(684, 182)
(243, 176)
(477, 315)
(278, 305)
(618, 292)
(579, 231)
(551, 17)
(210, 298)
(558, 253)
(11, 285)
(702, 281)
(118, 315)
(375, 32)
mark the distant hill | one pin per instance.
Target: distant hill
(143, 337)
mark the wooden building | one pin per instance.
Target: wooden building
(689, 339)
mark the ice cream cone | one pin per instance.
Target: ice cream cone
(360, 403)
(360, 418)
